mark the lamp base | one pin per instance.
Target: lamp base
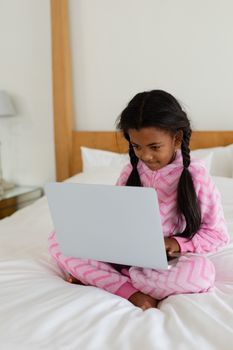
(4, 187)
(7, 185)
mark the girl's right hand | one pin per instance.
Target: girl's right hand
(172, 246)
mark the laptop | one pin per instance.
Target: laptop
(114, 224)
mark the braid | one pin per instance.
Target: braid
(133, 179)
(185, 147)
(186, 195)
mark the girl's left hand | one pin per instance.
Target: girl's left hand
(171, 245)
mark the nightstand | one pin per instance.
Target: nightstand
(17, 198)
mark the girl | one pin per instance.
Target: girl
(158, 132)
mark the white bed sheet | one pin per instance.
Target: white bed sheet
(39, 310)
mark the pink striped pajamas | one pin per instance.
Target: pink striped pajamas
(193, 272)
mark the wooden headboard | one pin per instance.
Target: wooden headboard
(114, 141)
(67, 140)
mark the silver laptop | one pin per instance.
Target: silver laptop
(115, 224)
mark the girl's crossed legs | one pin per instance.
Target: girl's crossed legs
(143, 287)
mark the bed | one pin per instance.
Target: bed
(40, 310)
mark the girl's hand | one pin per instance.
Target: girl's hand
(172, 246)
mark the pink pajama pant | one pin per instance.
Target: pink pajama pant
(189, 274)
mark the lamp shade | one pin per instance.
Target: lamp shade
(6, 106)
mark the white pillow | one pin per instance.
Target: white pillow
(206, 157)
(97, 175)
(96, 158)
(93, 158)
(222, 160)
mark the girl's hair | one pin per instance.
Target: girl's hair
(160, 109)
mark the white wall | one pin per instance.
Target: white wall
(25, 73)
(126, 46)
(119, 48)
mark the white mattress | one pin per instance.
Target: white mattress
(39, 310)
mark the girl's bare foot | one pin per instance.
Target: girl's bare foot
(72, 279)
(143, 301)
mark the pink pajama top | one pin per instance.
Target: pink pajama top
(192, 273)
(213, 231)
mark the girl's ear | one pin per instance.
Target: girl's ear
(178, 138)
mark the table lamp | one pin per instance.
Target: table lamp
(6, 110)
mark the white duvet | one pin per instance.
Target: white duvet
(39, 310)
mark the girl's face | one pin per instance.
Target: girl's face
(154, 147)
